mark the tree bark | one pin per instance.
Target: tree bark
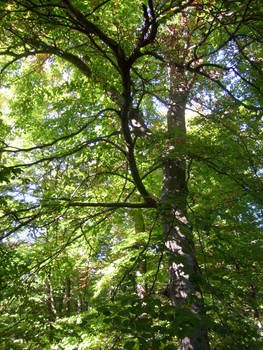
(141, 288)
(67, 294)
(184, 273)
(49, 296)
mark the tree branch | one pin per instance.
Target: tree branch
(106, 205)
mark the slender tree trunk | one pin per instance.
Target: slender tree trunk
(256, 309)
(50, 303)
(184, 273)
(67, 294)
(141, 288)
(79, 305)
(49, 297)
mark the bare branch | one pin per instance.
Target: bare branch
(106, 205)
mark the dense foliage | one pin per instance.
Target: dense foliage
(120, 227)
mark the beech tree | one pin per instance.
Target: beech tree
(132, 157)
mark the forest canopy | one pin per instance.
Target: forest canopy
(131, 164)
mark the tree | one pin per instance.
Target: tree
(99, 95)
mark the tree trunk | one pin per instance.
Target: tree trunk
(141, 288)
(256, 311)
(184, 273)
(49, 296)
(67, 294)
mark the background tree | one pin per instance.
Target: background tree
(99, 93)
